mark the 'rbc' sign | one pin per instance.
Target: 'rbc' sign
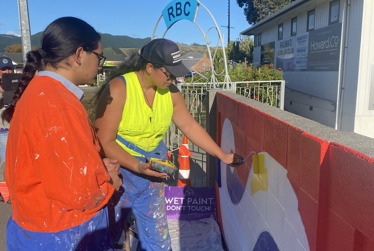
(178, 10)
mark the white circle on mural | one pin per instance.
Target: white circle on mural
(262, 213)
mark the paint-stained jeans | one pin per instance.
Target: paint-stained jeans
(91, 235)
(146, 200)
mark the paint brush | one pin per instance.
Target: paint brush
(239, 160)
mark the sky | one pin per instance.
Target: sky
(134, 18)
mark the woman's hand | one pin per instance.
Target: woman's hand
(233, 159)
(113, 168)
(145, 169)
(112, 165)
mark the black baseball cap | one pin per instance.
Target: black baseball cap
(164, 52)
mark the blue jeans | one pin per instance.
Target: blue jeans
(90, 235)
(145, 199)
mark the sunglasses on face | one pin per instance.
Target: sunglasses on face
(168, 74)
(5, 69)
(100, 57)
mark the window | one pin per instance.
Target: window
(259, 39)
(294, 26)
(310, 25)
(280, 31)
(334, 11)
(255, 40)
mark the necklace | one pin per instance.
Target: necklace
(146, 100)
(148, 103)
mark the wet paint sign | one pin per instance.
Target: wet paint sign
(190, 203)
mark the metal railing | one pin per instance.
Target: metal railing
(195, 95)
(269, 92)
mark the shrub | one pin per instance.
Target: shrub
(245, 72)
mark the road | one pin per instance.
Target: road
(5, 212)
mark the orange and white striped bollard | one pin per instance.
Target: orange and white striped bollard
(184, 164)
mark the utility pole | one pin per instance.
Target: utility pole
(25, 27)
(228, 22)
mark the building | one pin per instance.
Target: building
(113, 60)
(325, 48)
(194, 61)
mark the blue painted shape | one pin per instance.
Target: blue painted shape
(265, 242)
(179, 10)
(235, 186)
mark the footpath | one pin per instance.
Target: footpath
(191, 216)
(5, 212)
(186, 234)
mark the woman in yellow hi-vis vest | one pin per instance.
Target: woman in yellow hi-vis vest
(135, 109)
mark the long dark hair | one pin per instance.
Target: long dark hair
(132, 63)
(59, 40)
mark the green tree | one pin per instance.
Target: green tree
(241, 51)
(255, 10)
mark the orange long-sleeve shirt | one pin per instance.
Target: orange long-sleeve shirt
(54, 173)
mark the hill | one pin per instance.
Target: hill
(116, 43)
(107, 40)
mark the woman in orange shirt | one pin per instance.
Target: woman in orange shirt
(58, 183)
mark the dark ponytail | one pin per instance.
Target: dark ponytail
(59, 40)
(34, 63)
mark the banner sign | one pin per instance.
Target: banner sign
(179, 10)
(324, 48)
(190, 203)
(316, 50)
(292, 53)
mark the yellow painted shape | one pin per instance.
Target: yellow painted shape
(260, 174)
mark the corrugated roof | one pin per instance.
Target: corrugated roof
(191, 58)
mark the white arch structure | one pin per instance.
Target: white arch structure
(188, 10)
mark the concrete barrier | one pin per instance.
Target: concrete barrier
(312, 189)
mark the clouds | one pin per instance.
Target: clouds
(15, 32)
(12, 33)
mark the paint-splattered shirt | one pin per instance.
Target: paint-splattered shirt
(54, 173)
